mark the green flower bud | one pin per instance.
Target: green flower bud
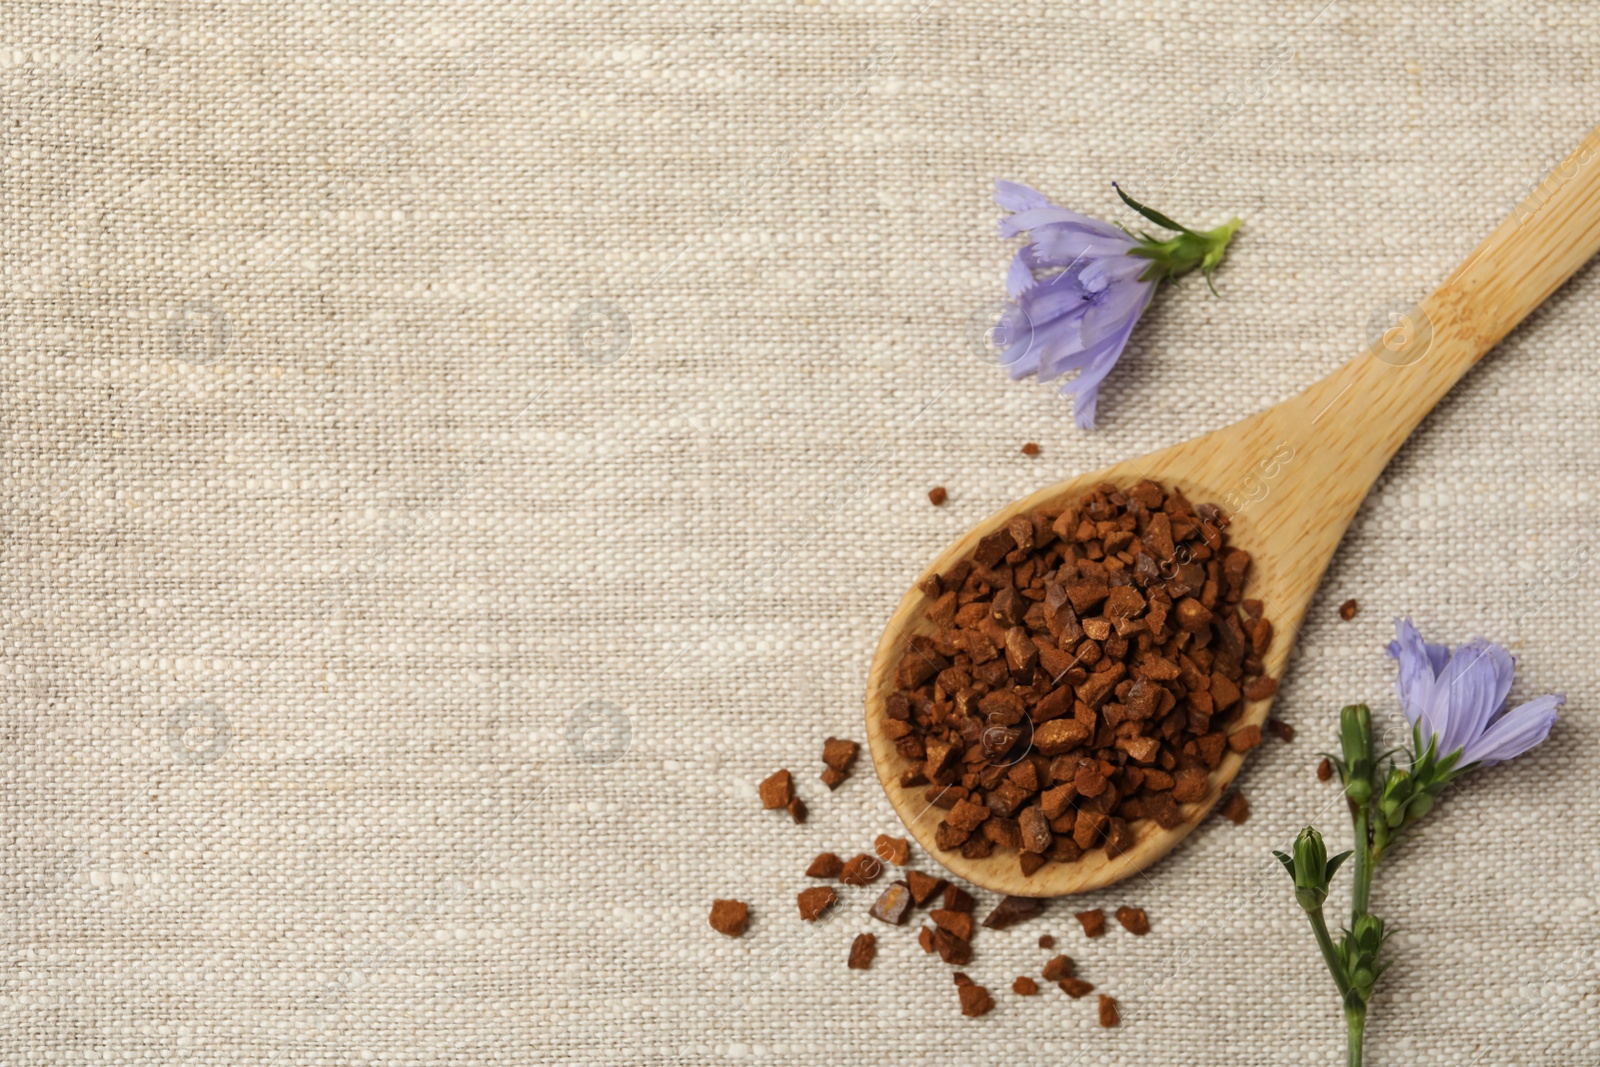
(1355, 737)
(1311, 868)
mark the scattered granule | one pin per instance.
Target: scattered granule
(729, 917)
(1046, 941)
(1094, 922)
(777, 791)
(925, 939)
(1025, 986)
(893, 905)
(1324, 770)
(1079, 676)
(1134, 920)
(1280, 729)
(937, 496)
(826, 865)
(975, 1001)
(1236, 808)
(1012, 910)
(1076, 988)
(816, 901)
(1030, 449)
(1058, 968)
(797, 810)
(923, 886)
(952, 949)
(1108, 1012)
(861, 869)
(957, 899)
(862, 951)
(837, 757)
(1348, 609)
(895, 850)
(958, 923)
(962, 979)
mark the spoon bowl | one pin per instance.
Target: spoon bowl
(1290, 478)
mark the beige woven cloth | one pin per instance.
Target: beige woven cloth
(453, 451)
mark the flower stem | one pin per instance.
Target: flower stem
(1361, 885)
(1330, 955)
(1355, 1021)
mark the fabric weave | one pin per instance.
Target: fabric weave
(453, 452)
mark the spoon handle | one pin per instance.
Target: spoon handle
(1378, 398)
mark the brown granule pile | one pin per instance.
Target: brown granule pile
(1086, 665)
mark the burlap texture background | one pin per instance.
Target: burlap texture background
(453, 451)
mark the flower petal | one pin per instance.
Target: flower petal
(1014, 196)
(1518, 730)
(1064, 246)
(1019, 279)
(1418, 667)
(1467, 693)
(1055, 216)
(1085, 389)
(1119, 306)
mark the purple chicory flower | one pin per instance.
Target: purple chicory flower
(1100, 278)
(1460, 698)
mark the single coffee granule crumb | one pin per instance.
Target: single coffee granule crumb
(975, 1001)
(862, 951)
(1079, 677)
(814, 902)
(1236, 808)
(1046, 941)
(1012, 910)
(1075, 987)
(1348, 609)
(729, 916)
(895, 850)
(797, 810)
(1030, 449)
(777, 791)
(893, 905)
(1058, 968)
(1243, 740)
(1280, 729)
(826, 865)
(957, 899)
(937, 496)
(923, 886)
(861, 869)
(1025, 986)
(837, 757)
(958, 923)
(1094, 922)
(952, 949)
(1134, 920)
(1324, 770)
(925, 939)
(1108, 1012)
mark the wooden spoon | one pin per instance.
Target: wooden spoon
(1292, 478)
